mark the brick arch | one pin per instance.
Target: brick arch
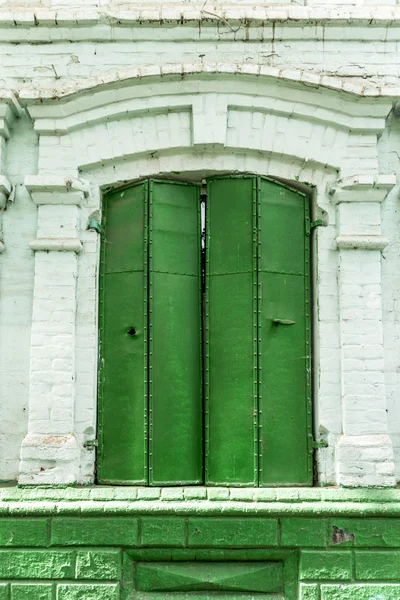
(179, 107)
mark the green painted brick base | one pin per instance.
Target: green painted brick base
(381, 591)
(94, 550)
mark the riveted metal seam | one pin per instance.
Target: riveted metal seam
(259, 338)
(256, 322)
(207, 336)
(150, 328)
(146, 331)
(307, 301)
(200, 275)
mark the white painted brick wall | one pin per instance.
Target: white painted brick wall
(236, 126)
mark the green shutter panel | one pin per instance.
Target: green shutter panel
(231, 332)
(284, 335)
(122, 456)
(175, 396)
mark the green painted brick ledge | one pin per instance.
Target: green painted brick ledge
(93, 500)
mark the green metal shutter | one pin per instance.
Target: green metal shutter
(231, 332)
(284, 335)
(175, 415)
(122, 430)
(258, 411)
(257, 429)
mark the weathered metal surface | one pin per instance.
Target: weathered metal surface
(122, 411)
(175, 391)
(284, 352)
(231, 359)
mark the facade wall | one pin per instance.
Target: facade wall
(107, 96)
(102, 95)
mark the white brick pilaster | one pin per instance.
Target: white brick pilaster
(50, 452)
(364, 450)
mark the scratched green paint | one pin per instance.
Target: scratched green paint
(175, 400)
(122, 430)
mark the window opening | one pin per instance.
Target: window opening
(210, 382)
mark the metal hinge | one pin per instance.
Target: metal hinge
(317, 445)
(94, 225)
(91, 444)
(316, 223)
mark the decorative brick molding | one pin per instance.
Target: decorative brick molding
(233, 12)
(50, 451)
(122, 78)
(194, 120)
(164, 114)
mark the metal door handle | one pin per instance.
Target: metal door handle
(283, 322)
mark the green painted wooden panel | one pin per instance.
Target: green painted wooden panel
(175, 396)
(122, 456)
(231, 332)
(198, 576)
(284, 335)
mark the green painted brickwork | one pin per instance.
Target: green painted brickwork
(360, 592)
(238, 532)
(235, 532)
(326, 565)
(46, 555)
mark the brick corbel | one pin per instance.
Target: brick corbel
(58, 200)
(372, 188)
(364, 450)
(50, 453)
